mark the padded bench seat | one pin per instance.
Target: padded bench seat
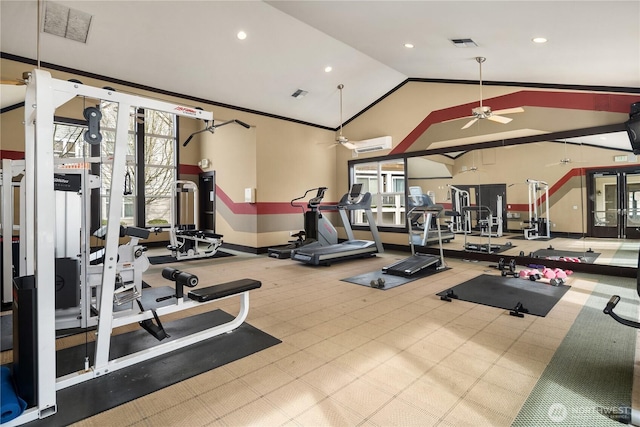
(199, 233)
(224, 290)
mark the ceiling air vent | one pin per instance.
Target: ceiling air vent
(299, 93)
(463, 43)
(65, 22)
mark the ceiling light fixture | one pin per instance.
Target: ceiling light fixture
(241, 35)
(328, 69)
(539, 40)
(409, 45)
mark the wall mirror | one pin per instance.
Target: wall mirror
(571, 197)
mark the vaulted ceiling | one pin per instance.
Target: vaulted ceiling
(191, 47)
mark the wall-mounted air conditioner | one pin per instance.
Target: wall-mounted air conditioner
(374, 144)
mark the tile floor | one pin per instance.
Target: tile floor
(356, 356)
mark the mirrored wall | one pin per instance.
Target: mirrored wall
(574, 198)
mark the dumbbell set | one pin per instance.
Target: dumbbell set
(507, 269)
(556, 276)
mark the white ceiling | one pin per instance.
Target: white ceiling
(190, 47)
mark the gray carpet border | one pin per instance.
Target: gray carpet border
(592, 369)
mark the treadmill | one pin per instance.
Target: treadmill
(351, 248)
(428, 233)
(419, 261)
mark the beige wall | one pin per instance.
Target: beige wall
(513, 165)
(282, 159)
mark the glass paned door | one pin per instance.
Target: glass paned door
(632, 205)
(615, 204)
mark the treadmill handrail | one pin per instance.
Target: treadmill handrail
(438, 209)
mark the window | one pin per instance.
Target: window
(151, 162)
(385, 181)
(151, 165)
(159, 154)
(108, 129)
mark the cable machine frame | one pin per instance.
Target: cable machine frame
(44, 94)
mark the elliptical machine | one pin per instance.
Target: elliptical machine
(317, 228)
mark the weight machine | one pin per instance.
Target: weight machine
(187, 241)
(460, 199)
(539, 225)
(485, 227)
(493, 226)
(34, 367)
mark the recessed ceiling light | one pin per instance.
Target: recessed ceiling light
(328, 69)
(539, 40)
(241, 35)
(409, 45)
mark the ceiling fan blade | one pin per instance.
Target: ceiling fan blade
(499, 119)
(471, 122)
(13, 82)
(349, 145)
(457, 118)
(509, 111)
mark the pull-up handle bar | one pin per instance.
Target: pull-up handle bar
(212, 129)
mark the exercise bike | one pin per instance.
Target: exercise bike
(317, 229)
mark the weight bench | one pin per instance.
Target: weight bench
(224, 290)
(195, 298)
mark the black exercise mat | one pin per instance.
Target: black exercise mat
(6, 332)
(91, 397)
(506, 292)
(390, 280)
(166, 259)
(553, 254)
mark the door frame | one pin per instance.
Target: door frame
(207, 196)
(620, 231)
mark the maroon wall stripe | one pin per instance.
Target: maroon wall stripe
(614, 103)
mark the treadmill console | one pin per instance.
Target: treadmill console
(355, 195)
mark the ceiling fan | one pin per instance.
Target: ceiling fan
(484, 111)
(566, 159)
(341, 139)
(16, 81)
(472, 168)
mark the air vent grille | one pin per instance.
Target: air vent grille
(463, 43)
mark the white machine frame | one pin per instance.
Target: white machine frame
(44, 94)
(535, 210)
(494, 221)
(10, 169)
(200, 245)
(459, 199)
